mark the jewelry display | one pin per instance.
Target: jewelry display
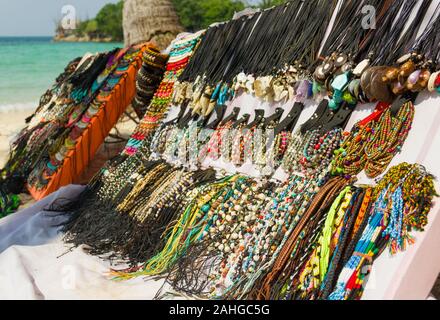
(248, 193)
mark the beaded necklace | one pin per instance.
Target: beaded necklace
(151, 178)
(171, 144)
(404, 197)
(239, 137)
(114, 177)
(163, 96)
(312, 155)
(148, 78)
(264, 149)
(33, 142)
(232, 261)
(293, 152)
(373, 146)
(279, 148)
(164, 202)
(271, 231)
(8, 203)
(158, 142)
(285, 260)
(186, 230)
(217, 143)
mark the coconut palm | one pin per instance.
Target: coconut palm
(150, 20)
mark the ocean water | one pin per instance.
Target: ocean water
(29, 66)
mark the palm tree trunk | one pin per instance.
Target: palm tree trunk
(150, 20)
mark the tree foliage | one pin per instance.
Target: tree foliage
(199, 14)
(193, 14)
(109, 21)
(269, 3)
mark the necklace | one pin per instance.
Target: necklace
(372, 146)
(312, 153)
(404, 196)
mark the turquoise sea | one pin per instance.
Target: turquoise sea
(29, 66)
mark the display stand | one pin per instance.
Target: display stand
(77, 159)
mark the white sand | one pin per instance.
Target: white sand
(11, 122)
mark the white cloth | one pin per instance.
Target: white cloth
(34, 263)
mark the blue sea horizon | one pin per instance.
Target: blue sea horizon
(30, 65)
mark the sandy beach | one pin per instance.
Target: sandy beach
(11, 122)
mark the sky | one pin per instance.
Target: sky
(38, 17)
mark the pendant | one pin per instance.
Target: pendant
(319, 74)
(407, 68)
(353, 87)
(340, 82)
(414, 77)
(432, 81)
(404, 58)
(341, 60)
(327, 68)
(378, 89)
(360, 68)
(391, 74)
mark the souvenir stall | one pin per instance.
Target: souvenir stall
(288, 154)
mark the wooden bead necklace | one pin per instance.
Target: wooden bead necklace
(373, 146)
